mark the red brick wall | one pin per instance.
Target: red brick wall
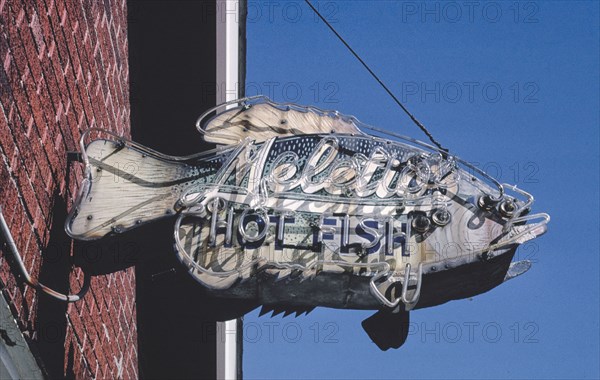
(63, 69)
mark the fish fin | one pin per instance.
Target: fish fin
(265, 119)
(308, 310)
(277, 311)
(265, 310)
(517, 268)
(387, 329)
(288, 312)
(285, 309)
(308, 274)
(282, 274)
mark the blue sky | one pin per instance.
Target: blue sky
(510, 86)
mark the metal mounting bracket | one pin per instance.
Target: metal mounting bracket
(10, 243)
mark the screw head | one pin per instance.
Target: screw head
(507, 208)
(441, 217)
(421, 223)
(486, 202)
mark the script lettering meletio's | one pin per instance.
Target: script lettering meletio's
(381, 174)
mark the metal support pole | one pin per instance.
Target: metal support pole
(12, 246)
(230, 26)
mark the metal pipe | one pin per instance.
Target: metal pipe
(34, 283)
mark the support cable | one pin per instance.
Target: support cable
(412, 117)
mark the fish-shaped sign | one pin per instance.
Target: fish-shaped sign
(299, 207)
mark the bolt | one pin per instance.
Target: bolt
(507, 208)
(486, 202)
(441, 217)
(421, 223)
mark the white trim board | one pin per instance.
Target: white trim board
(16, 360)
(228, 55)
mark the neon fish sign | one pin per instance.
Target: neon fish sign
(347, 219)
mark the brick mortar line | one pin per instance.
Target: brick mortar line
(110, 25)
(56, 81)
(24, 208)
(117, 117)
(35, 171)
(52, 103)
(21, 184)
(79, 343)
(80, 60)
(90, 66)
(19, 187)
(43, 114)
(64, 98)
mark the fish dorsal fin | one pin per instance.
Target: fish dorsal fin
(265, 119)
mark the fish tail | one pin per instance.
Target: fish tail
(126, 185)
